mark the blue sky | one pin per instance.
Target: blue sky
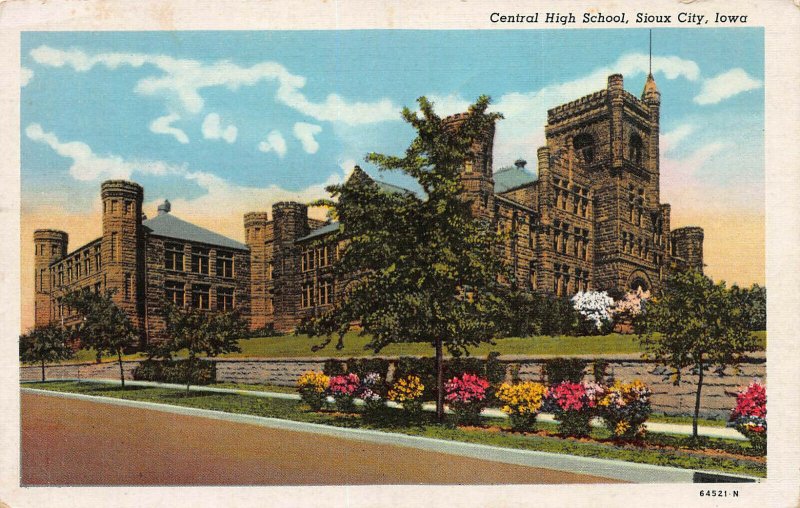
(226, 122)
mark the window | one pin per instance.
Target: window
(127, 291)
(224, 299)
(60, 274)
(307, 296)
(200, 260)
(307, 260)
(325, 292)
(532, 275)
(127, 207)
(224, 264)
(201, 296)
(173, 256)
(113, 246)
(54, 250)
(584, 146)
(87, 265)
(113, 206)
(636, 149)
(468, 166)
(269, 270)
(69, 270)
(97, 258)
(97, 288)
(174, 292)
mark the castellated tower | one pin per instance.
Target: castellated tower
(289, 223)
(49, 245)
(258, 235)
(122, 246)
(476, 175)
(687, 246)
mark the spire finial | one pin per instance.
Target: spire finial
(650, 69)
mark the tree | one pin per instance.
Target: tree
(44, 344)
(753, 301)
(105, 327)
(426, 269)
(695, 323)
(201, 332)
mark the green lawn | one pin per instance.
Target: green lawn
(289, 346)
(300, 345)
(291, 410)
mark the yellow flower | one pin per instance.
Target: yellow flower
(522, 398)
(316, 381)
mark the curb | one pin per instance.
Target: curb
(656, 427)
(605, 468)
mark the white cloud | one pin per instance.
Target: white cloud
(726, 85)
(25, 76)
(86, 165)
(186, 78)
(520, 133)
(162, 125)
(669, 140)
(212, 129)
(305, 132)
(274, 142)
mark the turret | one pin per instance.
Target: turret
(289, 223)
(122, 246)
(476, 174)
(687, 245)
(258, 236)
(652, 97)
(49, 245)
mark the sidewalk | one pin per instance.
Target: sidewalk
(657, 427)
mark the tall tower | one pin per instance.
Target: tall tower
(289, 223)
(258, 235)
(122, 247)
(476, 175)
(610, 139)
(49, 245)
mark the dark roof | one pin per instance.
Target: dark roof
(170, 226)
(324, 230)
(391, 188)
(506, 179)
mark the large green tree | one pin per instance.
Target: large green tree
(48, 343)
(695, 324)
(200, 332)
(105, 327)
(427, 269)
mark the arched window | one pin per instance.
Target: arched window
(636, 149)
(584, 146)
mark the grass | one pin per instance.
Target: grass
(393, 422)
(290, 346)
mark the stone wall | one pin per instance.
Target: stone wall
(717, 395)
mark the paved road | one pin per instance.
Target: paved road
(72, 442)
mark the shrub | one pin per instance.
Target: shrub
(371, 392)
(175, 371)
(522, 403)
(343, 389)
(408, 391)
(624, 408)
(573, 405)
(749, 416)
(334, 367)
(558, 370)
(363, 366)
(312, 386)
(466, 396)
(595, 308)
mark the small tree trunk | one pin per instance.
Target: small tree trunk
(697, 399)
(439, 380)
(121, 371)
(42, 370)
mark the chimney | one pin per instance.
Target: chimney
(520, 163)
(164, 207)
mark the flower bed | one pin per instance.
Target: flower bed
(466, 396)
(522, 403)
(750, 416)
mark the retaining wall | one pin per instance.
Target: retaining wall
(717, 395)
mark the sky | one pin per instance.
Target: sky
(222, 123)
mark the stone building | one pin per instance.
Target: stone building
(143, 263)
(589, 217)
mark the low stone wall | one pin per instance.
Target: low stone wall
(717, 395)
(88, 370)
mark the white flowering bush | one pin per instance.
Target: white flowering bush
(595, 307)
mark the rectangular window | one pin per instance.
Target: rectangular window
(97, 258)
(97, 288)
(307, 296)
(224, 264)
(127, 207)
(113, 206)
(77, 268)
(201, 294)
(60, 275)
(532, 275)
(87, 265)
(307, 261)
(175, 292)
(173, 256)
(269, 270)
(224, 299)
(326, 292)
(200, 260)
(113, 246)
